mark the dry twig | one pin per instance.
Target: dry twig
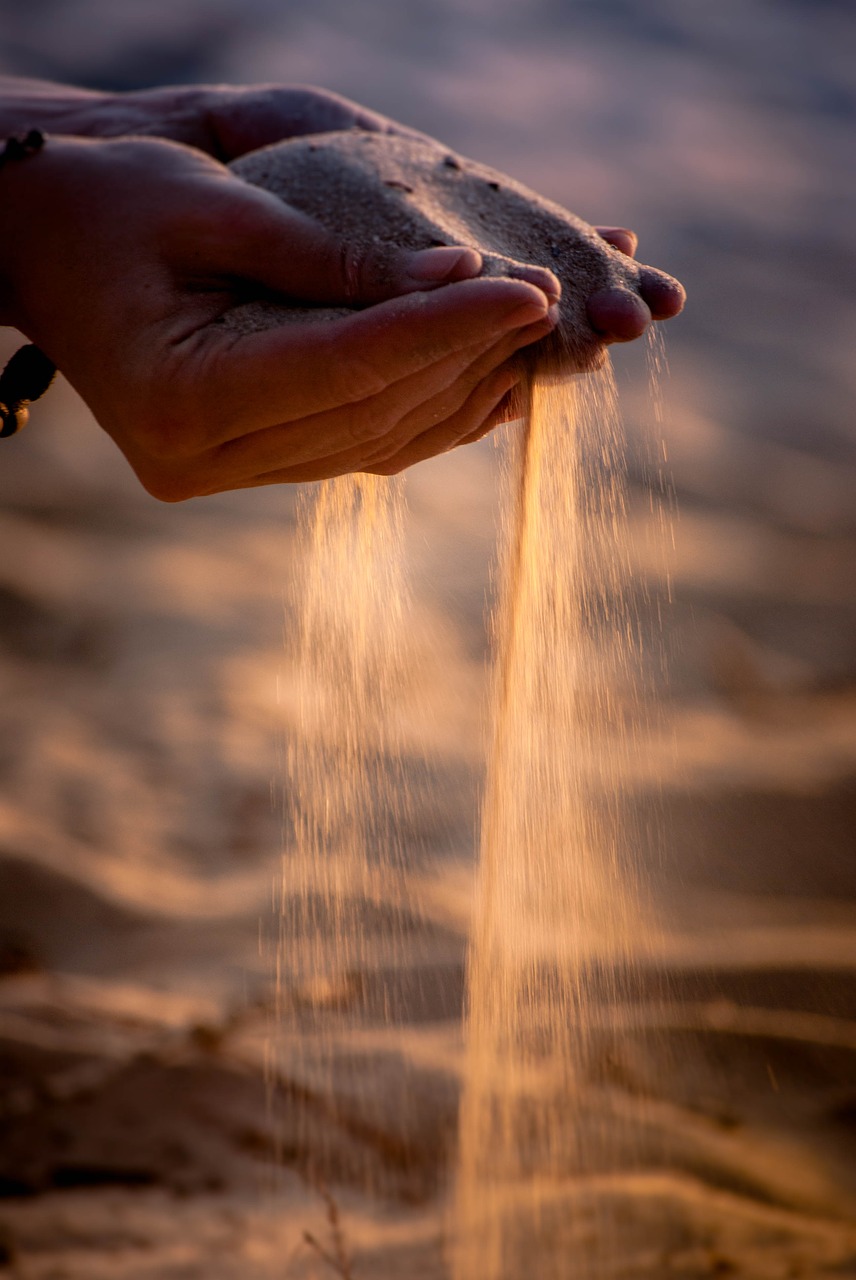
(337, 1257)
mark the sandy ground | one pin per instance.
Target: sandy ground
(146, 695)
(146, 701)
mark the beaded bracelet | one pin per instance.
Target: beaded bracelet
(21, 145)
(29, 373)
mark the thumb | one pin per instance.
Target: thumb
(289, 253)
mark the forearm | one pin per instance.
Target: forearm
(53, 108)
(179, 113)
(224, 120)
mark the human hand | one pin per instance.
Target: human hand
(227, 121)
(127, 253)
(617, 317)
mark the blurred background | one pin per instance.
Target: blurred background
(146, 697)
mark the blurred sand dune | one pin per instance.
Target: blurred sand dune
(145, 701)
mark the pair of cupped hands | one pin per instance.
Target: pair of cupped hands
(127, 238)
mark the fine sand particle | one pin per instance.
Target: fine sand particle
(409, 192)
(554, 899)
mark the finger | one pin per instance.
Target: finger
(376, 428)
(663, 295)
(290, 254)
(500, 417)
(474, 417)
(617, 314)
(541, 277)
(300, 369)
(511, 408)
(620, 238)
(469, 417)
(429, 414)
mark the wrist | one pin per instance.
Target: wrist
(179, 113)
(39, 194)
(36, 104)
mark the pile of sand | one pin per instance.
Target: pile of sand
(413, 193)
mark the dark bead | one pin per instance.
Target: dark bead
(11, 420)
(19, 146)
(26, 377)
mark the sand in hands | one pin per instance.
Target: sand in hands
(410, 192)
(551, 833)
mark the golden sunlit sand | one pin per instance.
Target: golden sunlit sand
(555, 860)
(694, 1031)
(137, 1011)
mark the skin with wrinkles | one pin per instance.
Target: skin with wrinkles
(132, 207)
(378, 189)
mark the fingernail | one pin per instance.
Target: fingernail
(621, 238)
(447, 263)
(664, 296)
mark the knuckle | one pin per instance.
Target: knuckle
(353, 271)
(371, 274)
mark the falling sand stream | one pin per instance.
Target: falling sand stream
(343, 907)
(560, 914)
